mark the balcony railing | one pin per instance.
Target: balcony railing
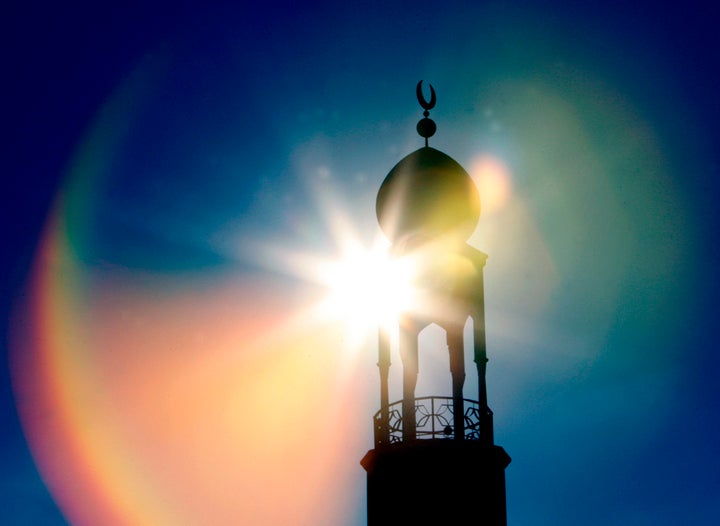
(434, 419)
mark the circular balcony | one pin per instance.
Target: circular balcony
(434, 420)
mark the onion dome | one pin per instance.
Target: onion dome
(428, 194)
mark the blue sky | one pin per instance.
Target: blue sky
(182, 161)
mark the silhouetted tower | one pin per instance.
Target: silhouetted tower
(434, 460)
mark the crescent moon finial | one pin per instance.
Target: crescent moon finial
(421, 98)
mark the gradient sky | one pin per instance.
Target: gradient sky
(179, 179)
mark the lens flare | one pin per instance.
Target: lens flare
(492, 177)
(198, 398)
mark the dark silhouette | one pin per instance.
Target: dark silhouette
(434, 459)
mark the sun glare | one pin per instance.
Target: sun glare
(367, 288)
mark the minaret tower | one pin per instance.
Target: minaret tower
(434, 459)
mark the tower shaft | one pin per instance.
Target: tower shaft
(436, 482)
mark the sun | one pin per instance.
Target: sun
(367, 288)
(358, 285)
(356, 282)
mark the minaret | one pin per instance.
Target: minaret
(434, 459)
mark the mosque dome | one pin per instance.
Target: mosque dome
(427, 194)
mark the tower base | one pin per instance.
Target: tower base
(436, 481)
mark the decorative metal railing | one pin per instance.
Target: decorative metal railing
(434, 419)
